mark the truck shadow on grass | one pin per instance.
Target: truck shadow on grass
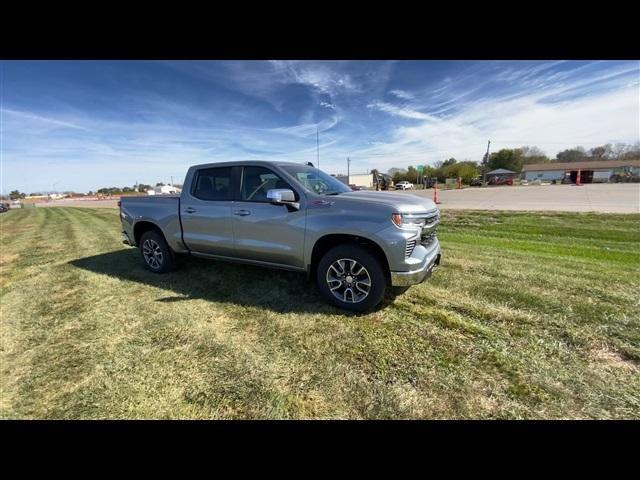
(216, 281)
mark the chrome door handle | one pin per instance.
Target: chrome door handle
(242, 213)
(189, 210)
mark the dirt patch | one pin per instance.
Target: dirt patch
(612, 359)
(8, 258)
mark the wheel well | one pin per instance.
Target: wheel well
(143, 227)
(324, 244)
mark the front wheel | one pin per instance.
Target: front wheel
(350, 277)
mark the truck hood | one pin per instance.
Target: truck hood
(400, 202)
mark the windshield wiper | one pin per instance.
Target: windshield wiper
(333, 193)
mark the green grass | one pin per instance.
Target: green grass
(530, 316)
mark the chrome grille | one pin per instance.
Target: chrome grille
(411, 244)
(429, 230)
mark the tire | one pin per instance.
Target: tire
(155, 253)
(341, 265)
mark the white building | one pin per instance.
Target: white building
(360, 180)
(163, 190)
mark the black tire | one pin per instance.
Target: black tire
(373, 271)
(155, 253)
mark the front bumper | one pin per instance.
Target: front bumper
(429, 265)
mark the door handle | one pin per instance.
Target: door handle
(189, 210)
(242, 213)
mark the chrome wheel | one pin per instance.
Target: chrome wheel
(152, 253)
(348, 280)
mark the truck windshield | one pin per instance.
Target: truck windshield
(316, 180)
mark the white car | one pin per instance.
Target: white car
(404, 185)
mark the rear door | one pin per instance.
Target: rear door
(206, 211)
(264, 231)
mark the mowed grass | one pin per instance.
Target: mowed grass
(530, 316)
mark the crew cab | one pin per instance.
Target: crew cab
(354, 244)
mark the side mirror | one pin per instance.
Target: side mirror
(283, 196)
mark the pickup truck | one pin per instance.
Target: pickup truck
(354, 244)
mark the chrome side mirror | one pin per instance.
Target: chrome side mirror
(282, 196)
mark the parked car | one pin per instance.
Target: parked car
(429, 182)
(354, 244)
(500, 181)
(355, 188)
(476, 182)
(404, 185)
(4, 207)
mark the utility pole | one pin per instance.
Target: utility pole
(485, 163)
(172, 180)
(318, 144)
(348, 162)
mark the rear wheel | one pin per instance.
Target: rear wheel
(350, 277)
(155, 252)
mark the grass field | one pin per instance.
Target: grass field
(530, 316)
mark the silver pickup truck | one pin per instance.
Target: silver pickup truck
(355, 244)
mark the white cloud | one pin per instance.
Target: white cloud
(402, 94)
(613, 116)
(399, 111)
(307, 129)
(43, 121)
(322, 77)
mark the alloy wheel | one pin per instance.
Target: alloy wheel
(348, 280)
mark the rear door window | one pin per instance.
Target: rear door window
(213, 184)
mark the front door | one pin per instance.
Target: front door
(206, 212)
(264, 231)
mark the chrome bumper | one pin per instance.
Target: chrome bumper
(405, 279)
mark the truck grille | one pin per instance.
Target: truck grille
(411, 244)
(429, 231)
(428, 239)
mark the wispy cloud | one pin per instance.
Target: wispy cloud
(399, 111)
(401, 94)
(113, 124)
(39, 119)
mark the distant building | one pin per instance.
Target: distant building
(597, 171)
(163, 190)
(361, 180)
(501, 172)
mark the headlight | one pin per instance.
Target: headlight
(407, 221)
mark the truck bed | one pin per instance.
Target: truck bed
(161, 210)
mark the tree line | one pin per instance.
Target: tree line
(138, 188)
(514, 159)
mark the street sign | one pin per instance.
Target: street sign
(419, 168)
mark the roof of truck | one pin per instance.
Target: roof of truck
(247, 162)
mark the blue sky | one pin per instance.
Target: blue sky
(89, 124)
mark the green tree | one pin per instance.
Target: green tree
(532, 155)
(511, 159)
(603, 152)
(412, 174)
(449, 162)
(15, 194)
(571, 155)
